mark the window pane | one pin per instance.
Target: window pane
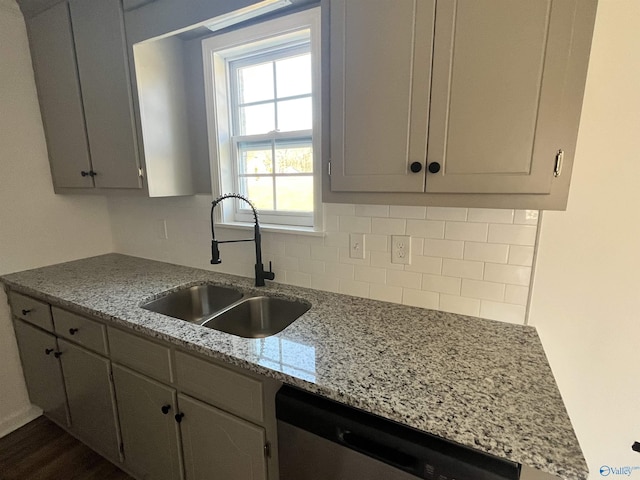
(255, 83)
(295, 193)
(295, 115)
(293, 76)
(259, 190)
(255, 158)
(294, 158)
(257, 119)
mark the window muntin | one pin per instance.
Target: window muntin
(272, 118)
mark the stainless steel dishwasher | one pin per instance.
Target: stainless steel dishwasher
(319, 439)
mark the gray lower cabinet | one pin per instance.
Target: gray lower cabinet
(91, 400)
(42, 371)
(218, 445)
(150, 433)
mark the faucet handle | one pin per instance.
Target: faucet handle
(269, 275)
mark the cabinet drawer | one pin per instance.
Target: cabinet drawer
(81, 330)
(33, 311)
(219, 386)
(141, 355)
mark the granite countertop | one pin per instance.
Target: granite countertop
(481, 383)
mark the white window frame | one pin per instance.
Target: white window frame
(218, 52)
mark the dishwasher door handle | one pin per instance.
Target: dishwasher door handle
(377, 450)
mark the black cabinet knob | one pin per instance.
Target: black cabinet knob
(90, 173)
(73, 331)
(25, 312)
(416, 167)
(434, 167)
(57, 354)
(165, 409)
(179, 417)
(84, 174)
(48, 351)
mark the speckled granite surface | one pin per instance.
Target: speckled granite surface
(477, 382)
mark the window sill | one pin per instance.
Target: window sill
(267, 227)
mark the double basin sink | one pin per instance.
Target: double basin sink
(229, 310)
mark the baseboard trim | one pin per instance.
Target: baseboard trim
(19, 419)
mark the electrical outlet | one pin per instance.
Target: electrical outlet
(356, 245)
(401, 249)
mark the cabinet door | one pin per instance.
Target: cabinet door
(220, 446)
(42, 371)
(498, 78)
(380, 77)
(56, 75)
(98, 30)
(91, 400)
(149, 430)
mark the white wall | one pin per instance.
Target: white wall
(586, 293)
(36, 227)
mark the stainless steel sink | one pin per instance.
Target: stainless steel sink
(195, 304)
(258, 317)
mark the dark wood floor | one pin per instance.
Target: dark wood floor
(43, 451)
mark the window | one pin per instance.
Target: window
(263, 104)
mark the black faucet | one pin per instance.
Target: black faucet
(261, 274)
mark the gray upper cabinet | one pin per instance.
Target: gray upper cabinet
(81, 68)
(431, 99)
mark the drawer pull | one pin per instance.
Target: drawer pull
(57, 354)
(26, 312)
(48, 351)
(179, 417)
(165, 409)
(73, 331)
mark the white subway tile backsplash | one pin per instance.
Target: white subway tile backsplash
(447, 213)
(490, 215)
(324, 282)
(372, 210)
(339, 209)
(512, 234)
(460, 305)
(462, 268)
(353, 224)
(516, 294)
(375, 242)
(401, 278)
(424, 264)
(388, 226)
(441, 284)
(420, 298)
(327, 254)
(383, 259)
(425, 228)
(365, 273)
(398, 211)
(385, 293)
(511, 274)
(502, 312)
(526, 217)
(483, 290)
(486, 252)
(340, 270)
(468, 261)
(311, 266)
(356, 289)
(473, 232)
(520, 255)
(443, 248)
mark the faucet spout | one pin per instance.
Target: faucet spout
(261, 274)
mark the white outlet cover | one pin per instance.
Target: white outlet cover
(401, 249)
(356, 245)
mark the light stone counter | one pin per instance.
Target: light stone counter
(481, 383)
